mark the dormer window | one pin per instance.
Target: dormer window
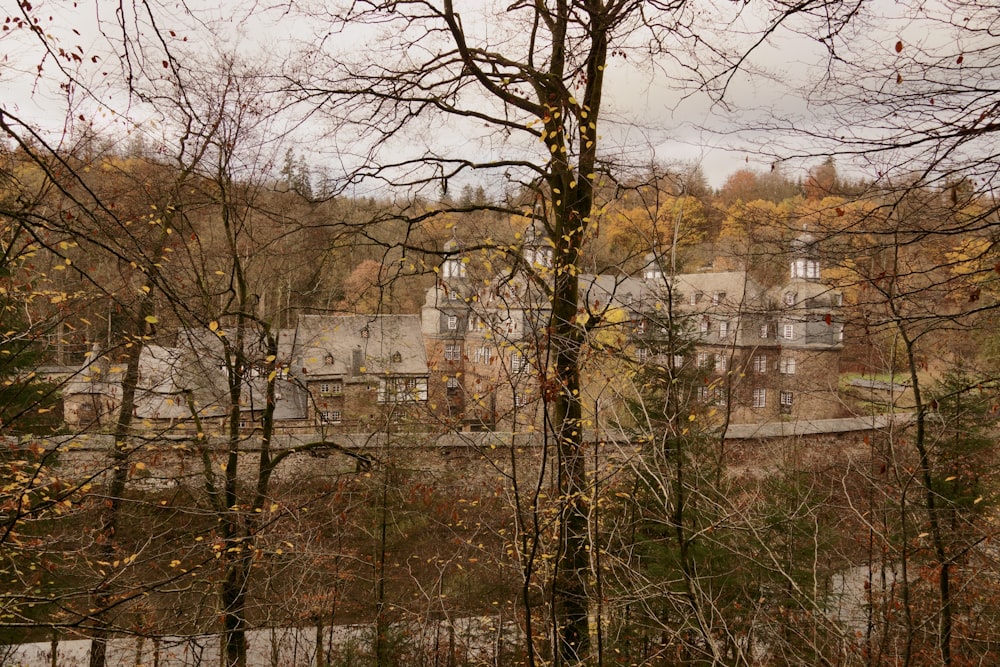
(396, 357)
(328, 360)
(364, 332)
(789, 298)
(540, 257)
(805, 268)
(453, 268)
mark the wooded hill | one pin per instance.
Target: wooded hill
(701, 552)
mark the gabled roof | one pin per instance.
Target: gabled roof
(170, 376)
(327, 346)
(738, 286)
(738, 291)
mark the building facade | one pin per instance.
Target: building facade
(475, 357)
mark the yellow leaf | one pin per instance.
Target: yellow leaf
(152, 319)
(212, 326)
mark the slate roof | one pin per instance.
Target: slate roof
(328, 346)
(741, 292)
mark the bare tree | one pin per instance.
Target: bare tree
(535, 76)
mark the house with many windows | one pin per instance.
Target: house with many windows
(360, 372)
(763, 353)
(346, 373)
(475, 357)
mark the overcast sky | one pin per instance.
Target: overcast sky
(676, 126)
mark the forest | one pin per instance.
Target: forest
(168, 169)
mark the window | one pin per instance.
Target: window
(397, 357)
(759, 397)
(788, 331)
(723, 329)
(453, 295)
(642, 355)
(760, 363)
(452, 323)
(787, 365)
(705, 324)
(693, 299)
(718, 297)
(483, 355)
(763, 330)
(785, 398)
(812, 269)
(719, 396)
(453, 352)
(330, 417)
(789, 298)
(328, 359)
(331, 388)
(402, 390)
(454, 268)
(452, 384)
(720, 363)
(704, 393)
(840, 334)
(640, 325)
(703, 360)
(521, 399)
(517, 362)
(678, 360)
(838, 299)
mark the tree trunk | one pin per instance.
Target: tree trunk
(120, 467)
(233, 595)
